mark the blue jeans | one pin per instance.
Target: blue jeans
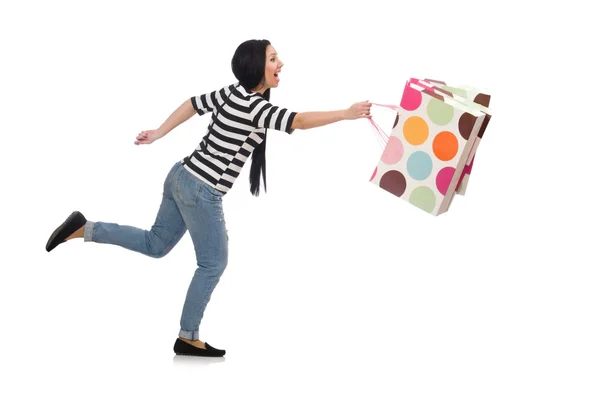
(187, 204)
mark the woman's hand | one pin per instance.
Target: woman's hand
(359, 110)
(147, 137)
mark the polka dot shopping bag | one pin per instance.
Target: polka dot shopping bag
(472, 97)
(426, 155)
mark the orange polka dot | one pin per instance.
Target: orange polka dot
(445, 146)
(415, 130)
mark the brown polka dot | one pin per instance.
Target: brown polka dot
(394, 182)
(465, 125)
(396, 121)
(483, 100)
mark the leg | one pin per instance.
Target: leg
(168, 229)
(202, 210)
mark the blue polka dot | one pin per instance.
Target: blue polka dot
(419, 166)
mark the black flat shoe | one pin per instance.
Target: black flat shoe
(72, 224)
(185, 349)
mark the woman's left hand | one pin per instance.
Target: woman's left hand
(147, 137)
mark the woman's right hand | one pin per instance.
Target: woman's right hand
(359, 110)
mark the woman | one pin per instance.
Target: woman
(195, 186)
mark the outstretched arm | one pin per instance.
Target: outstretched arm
(181, 114)
(307, 120)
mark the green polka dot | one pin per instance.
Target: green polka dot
(423, 197)
(439, 112)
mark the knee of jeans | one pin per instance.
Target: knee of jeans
(158, 250)
(221, 266)
(158, 246)
(158, 254)
(214, 267)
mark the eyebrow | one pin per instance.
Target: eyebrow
(273, 53)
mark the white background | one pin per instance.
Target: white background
(334, 287)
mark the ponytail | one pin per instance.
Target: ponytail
(259, 161)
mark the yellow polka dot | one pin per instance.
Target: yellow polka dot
(415, 130)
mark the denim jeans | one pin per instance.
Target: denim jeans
(187, 204)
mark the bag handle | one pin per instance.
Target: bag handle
(380, 134)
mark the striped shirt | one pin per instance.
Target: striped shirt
(238, 124)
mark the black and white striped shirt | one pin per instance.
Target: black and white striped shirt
(238, 125)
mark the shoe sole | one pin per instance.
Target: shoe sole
(198, 355)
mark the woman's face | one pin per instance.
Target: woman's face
(273, 66)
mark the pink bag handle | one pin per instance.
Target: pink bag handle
(393, 107)
(380, 133)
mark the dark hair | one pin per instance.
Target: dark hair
(248, 66)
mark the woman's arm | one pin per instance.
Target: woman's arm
(181, 114)
(307, 120)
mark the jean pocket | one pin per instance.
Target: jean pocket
(212, 193)
(188, 188)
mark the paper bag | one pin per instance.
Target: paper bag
(427, 149)
(470, 97)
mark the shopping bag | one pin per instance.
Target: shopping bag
(427, 150)
(470, 93)
(470, 97)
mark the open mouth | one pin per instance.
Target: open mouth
(276, 76)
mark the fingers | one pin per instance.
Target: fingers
(364, 105)
(364, 109)
(142, 138)
(361, 110)
(367, 109)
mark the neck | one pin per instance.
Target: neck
(260, 89)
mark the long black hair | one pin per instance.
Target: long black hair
(248, 66)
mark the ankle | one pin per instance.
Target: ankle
(196, 343)
(77, 234)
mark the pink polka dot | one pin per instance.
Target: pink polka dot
(443, 179)
(411, 98)
(373, 176)
(394, 150)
